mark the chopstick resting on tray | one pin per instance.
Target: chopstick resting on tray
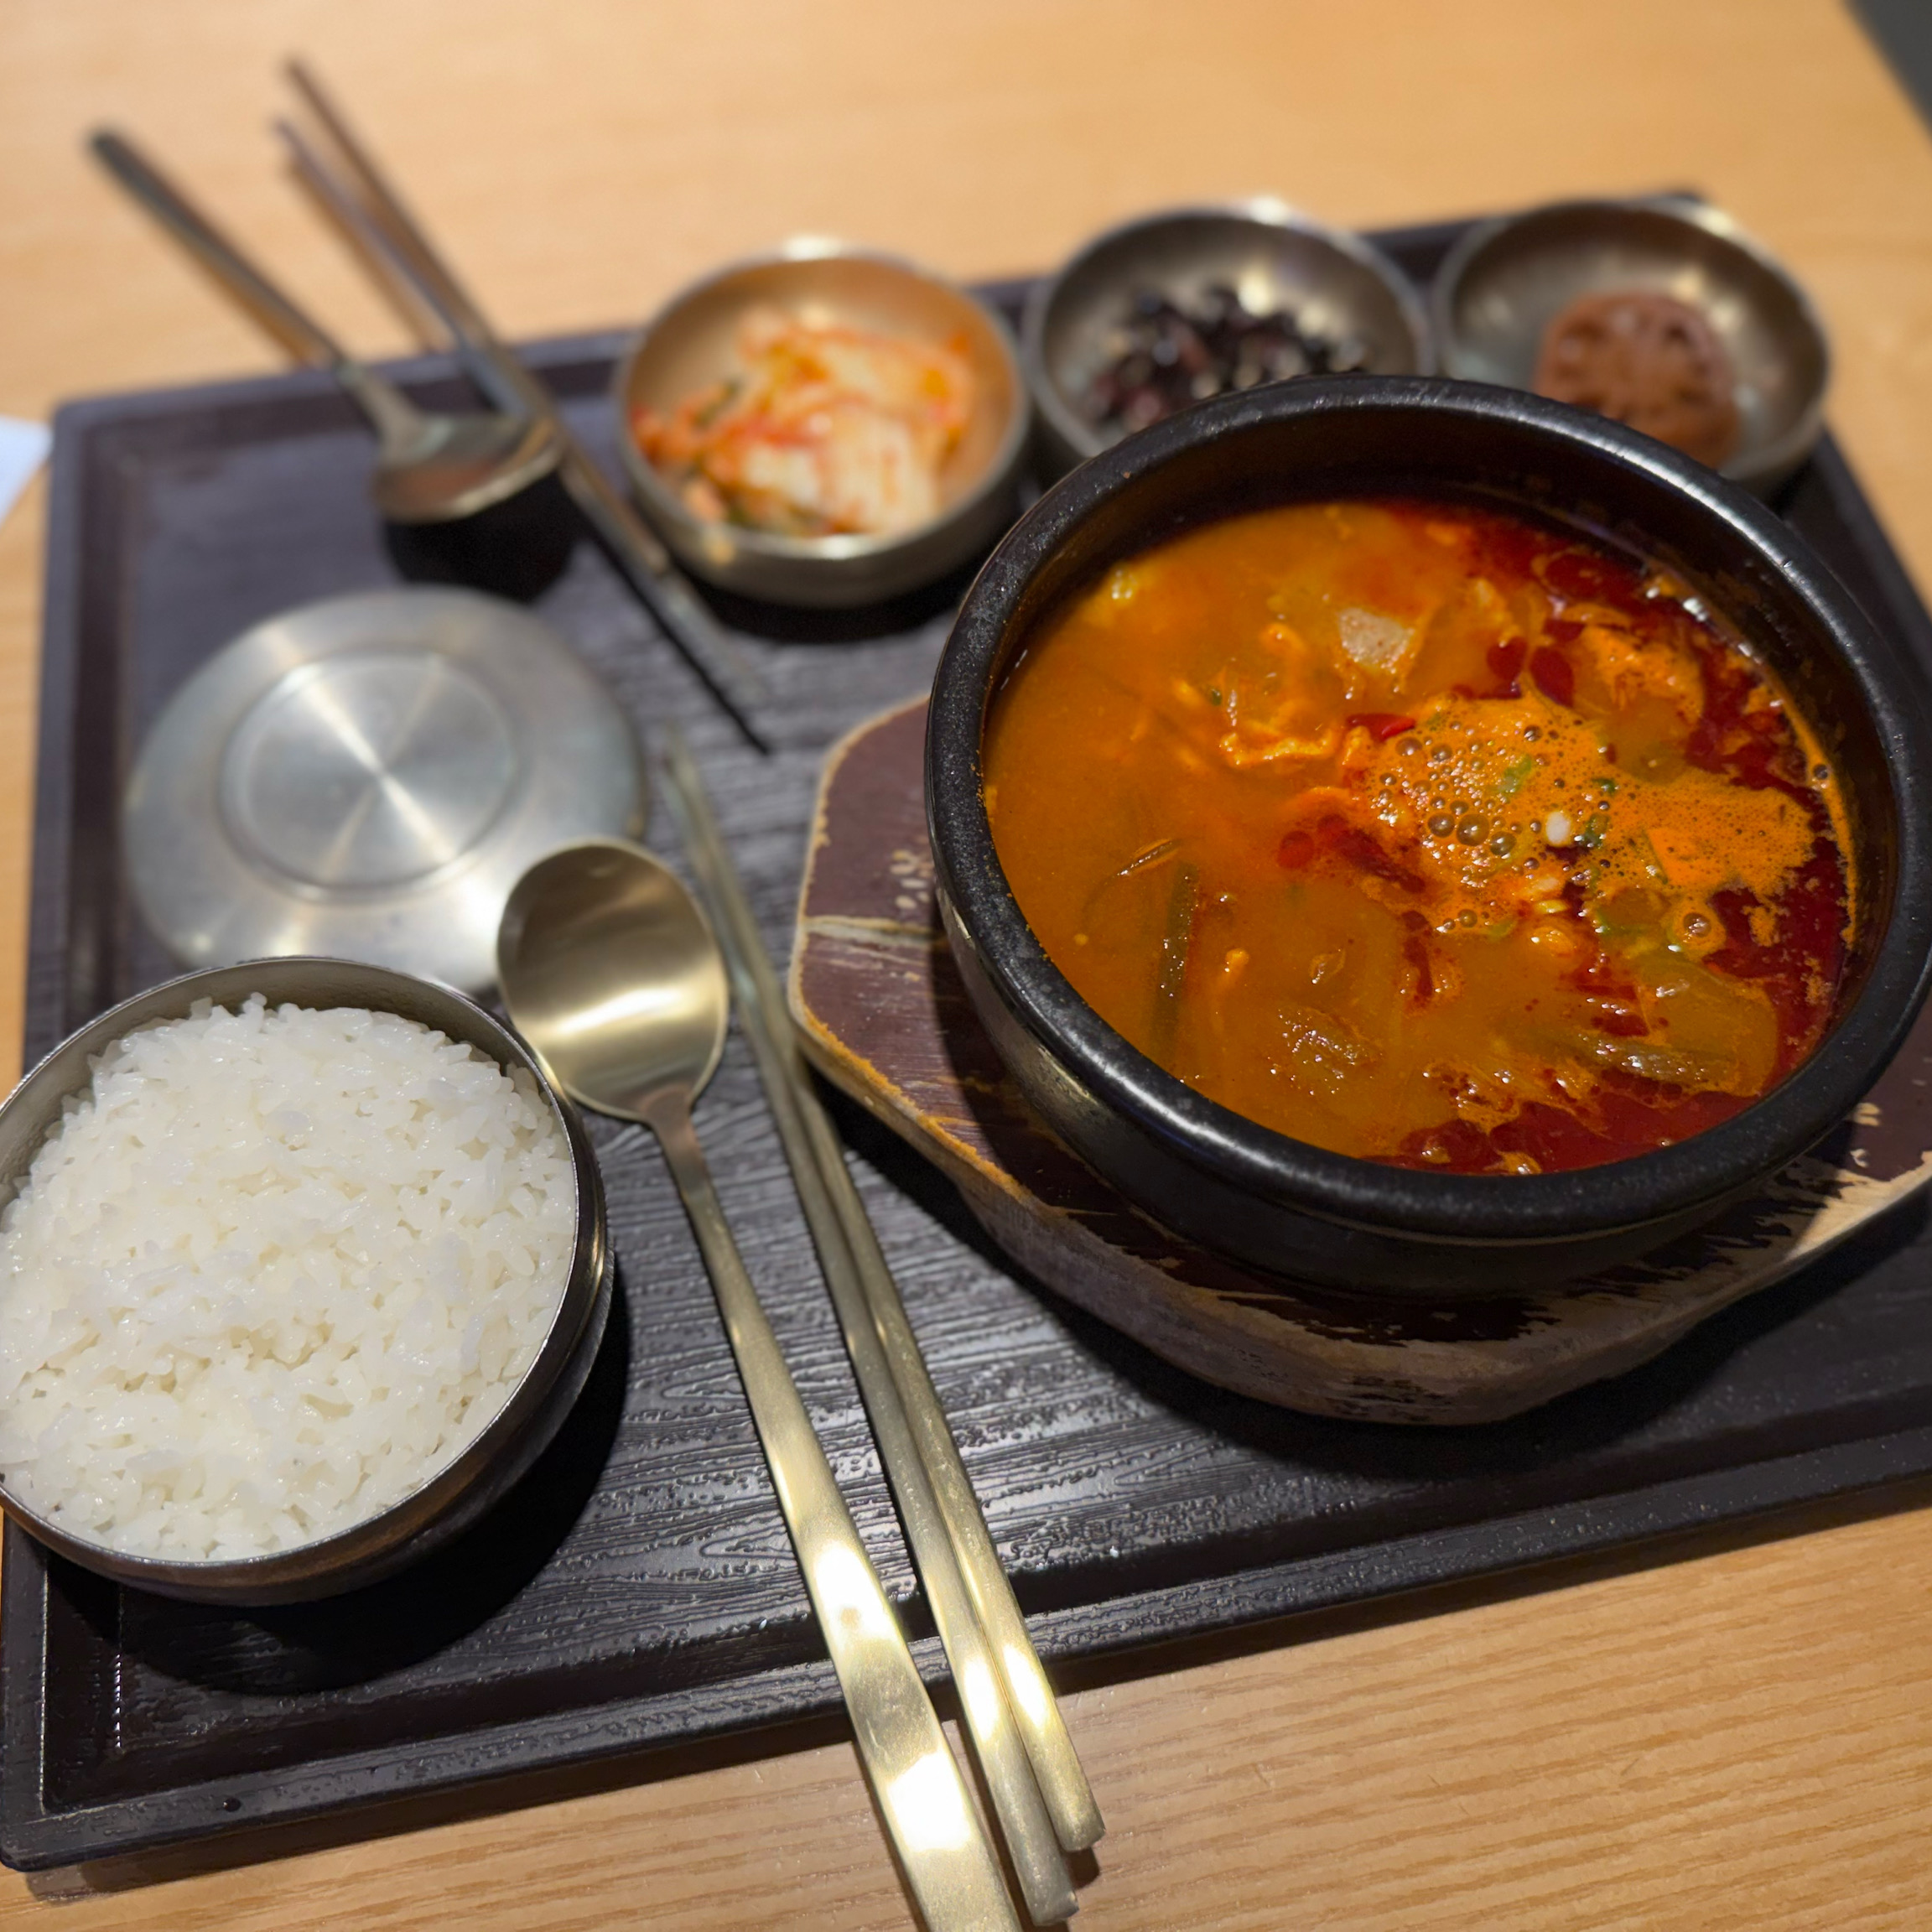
(393, 243)
(936, 1497)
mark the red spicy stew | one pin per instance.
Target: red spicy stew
(1427, 834)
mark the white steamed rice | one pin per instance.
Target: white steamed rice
(272, 1272)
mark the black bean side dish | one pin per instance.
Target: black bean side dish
(1168, 355)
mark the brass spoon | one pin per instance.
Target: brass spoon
(612, 975)
(430, 469)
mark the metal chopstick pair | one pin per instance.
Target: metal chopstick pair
(359, 196)
(1039, 1790)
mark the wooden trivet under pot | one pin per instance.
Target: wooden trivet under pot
(885, 1017)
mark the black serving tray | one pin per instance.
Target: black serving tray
(638, 1590)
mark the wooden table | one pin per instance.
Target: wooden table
(1738, 1737)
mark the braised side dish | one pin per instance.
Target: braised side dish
(1649, 361)
(823, 429)
(1427, 834)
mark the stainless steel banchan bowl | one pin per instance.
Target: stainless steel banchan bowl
(1270, 255)
(1279, 1204)
(1505, 280)
(455, 1496)
(691, 343)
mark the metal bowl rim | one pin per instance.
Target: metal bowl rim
(1264, 211)
(238, 1579)
(665, 504)
(1777, 458)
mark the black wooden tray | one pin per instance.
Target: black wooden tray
(638, 1590)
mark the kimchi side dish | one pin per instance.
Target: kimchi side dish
(823, 430)
(1427, 834)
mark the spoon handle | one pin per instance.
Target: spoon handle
(933, 1826)
(271, 306)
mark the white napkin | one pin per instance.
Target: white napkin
(23, 450)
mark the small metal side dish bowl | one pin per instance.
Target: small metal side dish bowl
(691, 343)
(1274, 258)
(1297, 1210)
(453, 1496)
(1506, 280)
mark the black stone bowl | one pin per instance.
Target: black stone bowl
(1254, 1194)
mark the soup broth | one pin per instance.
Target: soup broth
(1424, 834)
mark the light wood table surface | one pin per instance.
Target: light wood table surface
(1739, 1737)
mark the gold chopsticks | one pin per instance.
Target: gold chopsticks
(922, 1460)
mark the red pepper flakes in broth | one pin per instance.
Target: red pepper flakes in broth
(1381, 726)
(1555, 674)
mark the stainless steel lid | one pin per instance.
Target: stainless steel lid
(367, 777)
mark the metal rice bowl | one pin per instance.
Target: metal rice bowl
(449, 1499)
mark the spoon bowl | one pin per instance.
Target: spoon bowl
(435, 469)
(613, 976)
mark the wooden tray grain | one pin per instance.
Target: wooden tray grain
(638, 1591)
(884, 1015)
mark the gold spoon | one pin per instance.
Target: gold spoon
(612, 975)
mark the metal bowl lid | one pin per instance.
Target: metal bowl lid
(367, 777)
